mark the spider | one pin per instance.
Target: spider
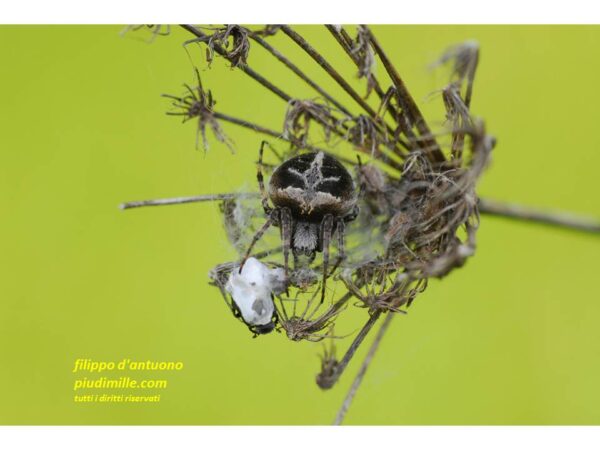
(314, 197)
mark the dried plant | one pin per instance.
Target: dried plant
(365, 56)
(419, 209)
(232, 38)
(198, 103)
(301, 114)
(369, 134)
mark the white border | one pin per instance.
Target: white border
(300, 438)
(301, 11)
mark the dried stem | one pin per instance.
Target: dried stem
(319, 59)
(181, 200)
(277, 54)
(302, 43)
(412, 107)
(345, 41)
(242, 66)
(557, 219)
(326, 381)
(264, 82)
(339, 418)
(250, 125)
(260, 129)
(250, 72)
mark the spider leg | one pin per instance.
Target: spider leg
(353, 214)
(275, 152)
(327, 228)
(275, 316)
(236, 311)
(258, 235)
(261, 181)
(286, 235)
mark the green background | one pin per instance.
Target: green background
(512, 338)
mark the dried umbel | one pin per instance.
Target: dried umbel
(417, 189)
(415, 214)
(302, 113)
(415, 203)
(369, 134)
(198, 104)
(234, 39)
(364, 55)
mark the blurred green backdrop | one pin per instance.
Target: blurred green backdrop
(512, 338)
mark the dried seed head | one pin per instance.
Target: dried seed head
(198, 103)
(464, 58)
(234, 40)
(422, 235)
(368, 134)
(364, 56)
(329, 364)
(298, 329)
(383, 292)
(301, 114)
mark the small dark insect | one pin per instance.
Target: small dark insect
(255, 329)
(314, 197)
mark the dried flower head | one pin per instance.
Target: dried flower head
(368, 134)
(198, 103)
(232, 38)
(301, 114)
(361, 48)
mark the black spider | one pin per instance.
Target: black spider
(313, 196)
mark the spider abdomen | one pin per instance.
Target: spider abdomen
(312, 185)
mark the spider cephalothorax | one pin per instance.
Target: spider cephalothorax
(313, 196)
